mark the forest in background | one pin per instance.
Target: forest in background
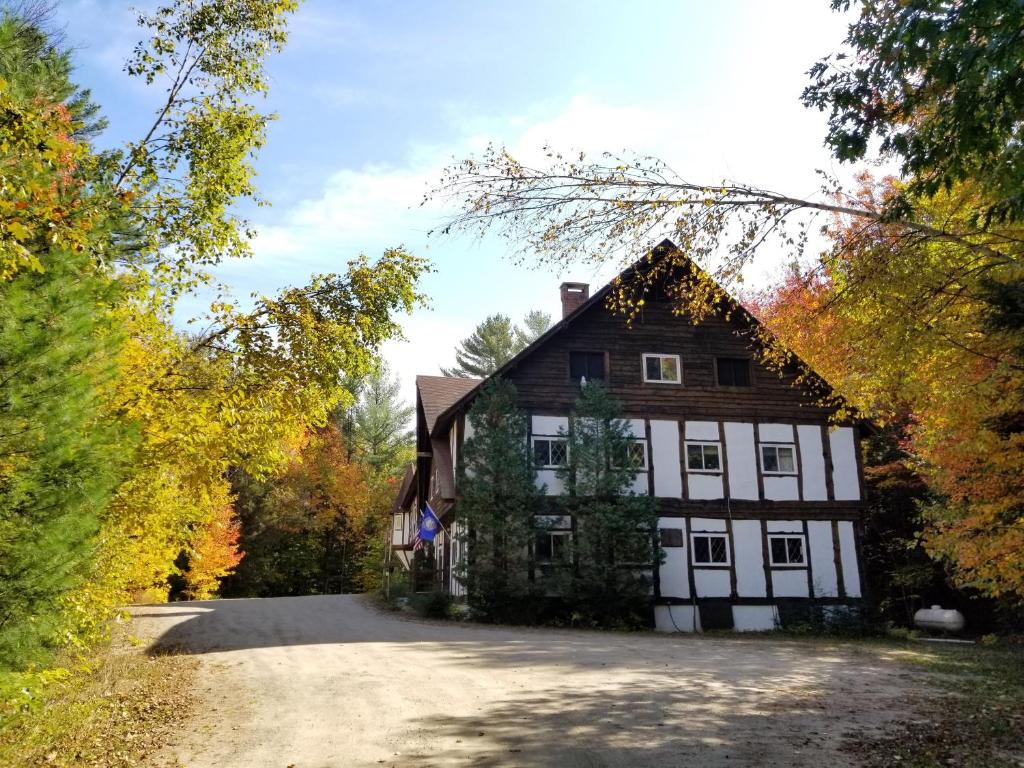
(140, 457)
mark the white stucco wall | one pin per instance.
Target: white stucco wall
(702, 430)
(700, 485)
(825, 580)
(550, 479)
(739, 450)
(705, 524)
(789, 582)
(848, 558)
(673, 576)
(668, 479)
(676, 618)
(748, 558)
(755, 618)
(780, 488)
(712, 582)
(812, 462)
(775, 433)
(844, 464)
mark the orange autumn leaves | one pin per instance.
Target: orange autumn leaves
(897, 326)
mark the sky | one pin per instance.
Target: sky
(375, 98)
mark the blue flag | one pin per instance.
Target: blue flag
(429, 524)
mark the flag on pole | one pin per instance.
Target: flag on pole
(429, 524)
(427, 529)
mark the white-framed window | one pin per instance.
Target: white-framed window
(635, 456)
(703, 456)
(778, 459)
(662, 369)
(552, 546)
(550, 452)
(709, 548)
(398, 521)
(787, 549)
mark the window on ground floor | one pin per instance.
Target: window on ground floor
(552, 546)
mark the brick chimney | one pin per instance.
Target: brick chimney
(573, 294)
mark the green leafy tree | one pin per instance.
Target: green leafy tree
(938, 83)
(614, 546)
(498, 500)
(494, 342)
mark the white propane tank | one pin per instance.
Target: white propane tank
(937, 617)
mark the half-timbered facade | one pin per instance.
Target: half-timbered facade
(759, 492)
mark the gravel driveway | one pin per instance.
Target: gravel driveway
(320, 682)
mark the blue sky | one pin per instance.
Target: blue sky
(375, 98)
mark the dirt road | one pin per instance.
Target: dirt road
(325, 682)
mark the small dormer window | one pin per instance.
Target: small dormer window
(586, 365)
(662, 369)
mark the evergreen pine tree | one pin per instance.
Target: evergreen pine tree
(614, 546)
(497, 504)
(494, 342)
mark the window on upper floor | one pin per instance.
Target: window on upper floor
(662, 369)
(550, 452)
(710, 548)
(632, 455)
(589, 365)
(778, 459)
(787, 549)
(703, 457)
(733, 371)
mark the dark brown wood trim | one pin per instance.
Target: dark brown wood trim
(689, 558)
(807, 559)
(732, 556)
(799, 461)
(650, 458)
(826, 447)
(684, 472)
(837, 558)
(723, 457)
(766, 559)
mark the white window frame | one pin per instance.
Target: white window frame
(776, 446)
(702, 443)
(645, 466)
(549, 439)
(803, 550)
(694, 535)
(552, 532)
(679, 368)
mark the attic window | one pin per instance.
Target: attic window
(586, 364)
(733, 372)
(663, 369)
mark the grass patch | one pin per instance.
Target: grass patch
(975, 718)
(115, 713)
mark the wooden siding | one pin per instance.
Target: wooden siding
(544, 386)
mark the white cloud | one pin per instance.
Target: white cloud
(376, 206)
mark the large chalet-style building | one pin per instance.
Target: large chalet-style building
(760, 494)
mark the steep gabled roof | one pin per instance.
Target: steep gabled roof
(439, 393)
(732, 305)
